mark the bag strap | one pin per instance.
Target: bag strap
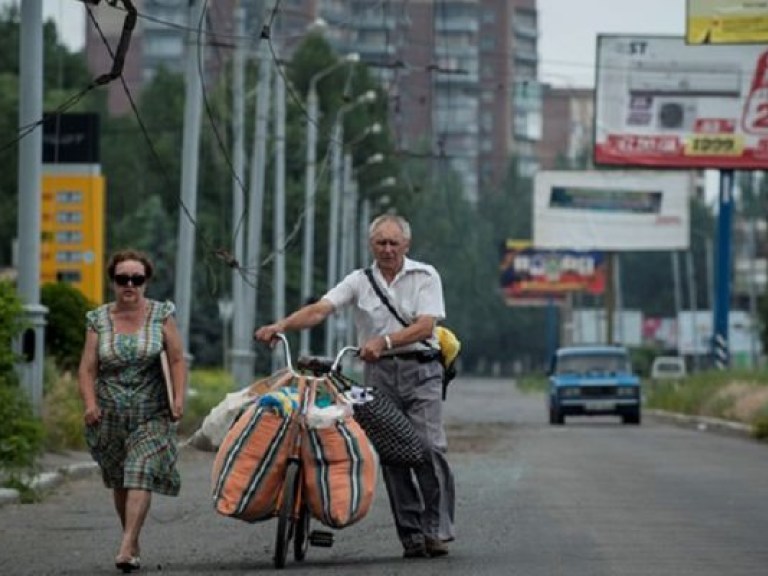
(388, 304)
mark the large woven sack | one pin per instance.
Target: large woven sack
(211, 433)
(390, 432)
(250, 465)
(339, 473)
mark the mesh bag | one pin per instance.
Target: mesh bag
(388, 429)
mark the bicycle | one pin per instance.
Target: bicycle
(293, 517)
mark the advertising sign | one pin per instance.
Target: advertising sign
(611, 210)
(661, 103)
(726, 21)
(532, 277)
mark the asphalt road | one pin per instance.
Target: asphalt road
(592, 498)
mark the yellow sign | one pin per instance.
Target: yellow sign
(727, 22)
(72, 228)
(714, 145)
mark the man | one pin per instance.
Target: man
(400, 361)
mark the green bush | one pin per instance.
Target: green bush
(11, 324)
(21, 434)
(65, 331)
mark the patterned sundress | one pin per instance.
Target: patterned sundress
(135, 441)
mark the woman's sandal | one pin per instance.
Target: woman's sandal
(127, 563)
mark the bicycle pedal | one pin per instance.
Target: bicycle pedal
(321, 538)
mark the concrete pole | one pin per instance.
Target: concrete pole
(278, 355)
(255, 208)
(677, 293)
(365, 220)
(189, 162)
(241, 341)
(693, 306)
(307, 263)
(30, 170)
(619, 299)
(333, 224)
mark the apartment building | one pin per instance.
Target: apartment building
(461, 75)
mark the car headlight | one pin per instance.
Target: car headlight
(570, 392)
(626, 391)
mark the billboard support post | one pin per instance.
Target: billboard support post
(610, 296)
(720, 350)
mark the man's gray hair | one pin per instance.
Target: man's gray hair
(399, 220)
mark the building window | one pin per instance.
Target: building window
(69, 197)
(69, 237)
(69, 217)
(68, 276)
(68, 256)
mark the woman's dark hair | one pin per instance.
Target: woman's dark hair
(130, 254)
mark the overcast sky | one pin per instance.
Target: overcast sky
(567, 30)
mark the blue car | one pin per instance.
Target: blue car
(593, 381)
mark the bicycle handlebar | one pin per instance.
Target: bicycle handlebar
(336, 361)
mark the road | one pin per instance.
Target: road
(592, 498)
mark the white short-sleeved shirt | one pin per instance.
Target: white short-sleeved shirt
(416, 291)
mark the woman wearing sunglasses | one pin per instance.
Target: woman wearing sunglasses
(128, 417)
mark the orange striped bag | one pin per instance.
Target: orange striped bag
(250, 465)
(339, 472)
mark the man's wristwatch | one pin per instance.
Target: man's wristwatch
(388, 341)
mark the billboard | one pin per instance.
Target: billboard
(533, 277)
(611, 210)
(726, 22)
(661, 103)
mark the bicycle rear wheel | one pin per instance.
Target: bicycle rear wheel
(286, 520)
(301, 535)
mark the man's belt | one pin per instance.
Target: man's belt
(422, 356)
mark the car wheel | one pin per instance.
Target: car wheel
(632, 417)
(556, 418)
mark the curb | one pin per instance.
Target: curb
(704, 424)
(46, 481)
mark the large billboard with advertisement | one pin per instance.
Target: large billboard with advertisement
(611, 210)
(726, 22)
(662, 103)
(533, 277)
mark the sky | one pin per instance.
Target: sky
(567, 30)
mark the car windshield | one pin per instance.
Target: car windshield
(591, 363)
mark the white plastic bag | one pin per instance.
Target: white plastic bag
(218, 422)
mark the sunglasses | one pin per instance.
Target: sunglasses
(134, 279)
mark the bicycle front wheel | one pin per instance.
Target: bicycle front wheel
(286, 519)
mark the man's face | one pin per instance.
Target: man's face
(389, 246)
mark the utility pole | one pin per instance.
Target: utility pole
(677, 292)
(333, 224)
(693, 306)
(256, 203)
(240, 354)
(279, 211)
(32, 343)
(189, 162)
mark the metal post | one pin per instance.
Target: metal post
(279, 212)
(677, 293)
(30, 196)
(619, 299)
(189, 162)
(255, 207)
(241, 341)
(720, 346)
(333, 224)
(753, 318)
(365, 220)
(307, 263)
(693, 307)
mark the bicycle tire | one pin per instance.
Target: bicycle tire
(285, 519)
(301, 535)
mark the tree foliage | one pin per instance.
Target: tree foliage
(65, 328)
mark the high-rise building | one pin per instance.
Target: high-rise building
(461, 75)
(568, 115)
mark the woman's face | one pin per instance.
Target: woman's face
(129, 281)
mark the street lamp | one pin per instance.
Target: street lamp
(309, 191)
(337, 144)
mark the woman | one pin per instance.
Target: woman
(128, 416)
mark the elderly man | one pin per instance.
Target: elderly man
(400, 360)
